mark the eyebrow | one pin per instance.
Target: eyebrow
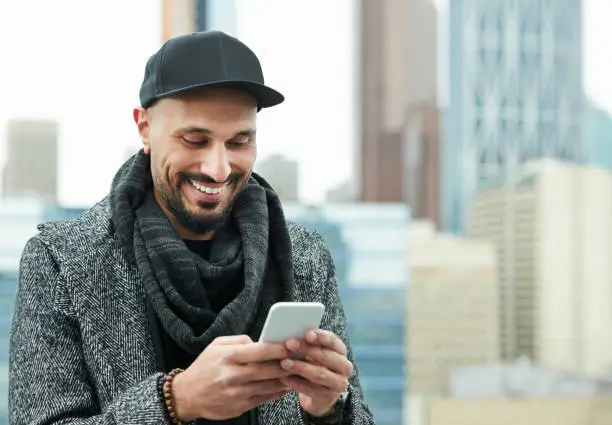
(201, 130)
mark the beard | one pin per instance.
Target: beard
(205, 220)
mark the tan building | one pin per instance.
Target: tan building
(340, 193)
(552, 227)
(178, 17)
(595, 410)
(31, 165)
(282, 174)
(452, 307)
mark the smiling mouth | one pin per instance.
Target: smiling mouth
(208, 189)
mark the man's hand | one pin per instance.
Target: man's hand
(323, 375)
(231, 376)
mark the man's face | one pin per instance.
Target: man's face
(202, 148)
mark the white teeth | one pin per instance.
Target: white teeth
(206, 189)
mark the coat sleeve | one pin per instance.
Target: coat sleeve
(48, 378)
(334, 319)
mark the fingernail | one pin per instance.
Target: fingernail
(311, 336)
(293, 345)
(287, 363)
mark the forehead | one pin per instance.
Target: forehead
(209, 107)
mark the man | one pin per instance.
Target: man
(147, 309)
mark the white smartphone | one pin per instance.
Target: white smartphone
(288, 320)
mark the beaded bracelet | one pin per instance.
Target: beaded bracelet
(164, 389)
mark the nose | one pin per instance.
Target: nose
(215, 163)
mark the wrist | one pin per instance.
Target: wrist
(181, 400)
(333, 416)
(323, 412)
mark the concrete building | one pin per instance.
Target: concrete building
(185, 16)
(523, 379)
(551, 225)
(515, 92)
(452, 307)
(422, 184)
(519, 393)
(340, 193)
(282, 174)
(398, 68)
(595, 410)
(31, 165)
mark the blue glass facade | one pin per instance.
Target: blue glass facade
(18, 221)
(8, 283)
(598, 136)
(369, 245)
(515, 92)
(216, 15)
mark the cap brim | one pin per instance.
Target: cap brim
(265, 96)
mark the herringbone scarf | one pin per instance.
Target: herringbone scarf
(254, 243)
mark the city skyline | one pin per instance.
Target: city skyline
(83, 111)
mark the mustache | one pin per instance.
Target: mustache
(203, 178)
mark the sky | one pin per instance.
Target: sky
(81, 62)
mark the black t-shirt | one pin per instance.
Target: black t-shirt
(220, 294)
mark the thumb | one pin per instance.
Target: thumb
(233, 340)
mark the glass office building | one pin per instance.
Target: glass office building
(515, 92)
(18, 221)
(216, 15)
(598, 136)
(8, 282)
(369, 245)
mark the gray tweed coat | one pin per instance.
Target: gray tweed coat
(81, 350)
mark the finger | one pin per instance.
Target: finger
(257, 352)
(317, 375)
(233, 339)
(312, 361)
(303, 386)
(261, 371)
(326, 339)
(321, 356)
(262, 388)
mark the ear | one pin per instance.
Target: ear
(142, 120)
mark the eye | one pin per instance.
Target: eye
(239, 143)
(191, 142)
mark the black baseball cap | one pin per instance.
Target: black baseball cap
(205, 59)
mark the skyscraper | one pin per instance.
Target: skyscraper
(18, 221)
(453, 308)
(515, 92)
(553, 235)
(369, 245)
(597, 136)
(282, 174)
(185, 16)
(398, 82)
(31, 166)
